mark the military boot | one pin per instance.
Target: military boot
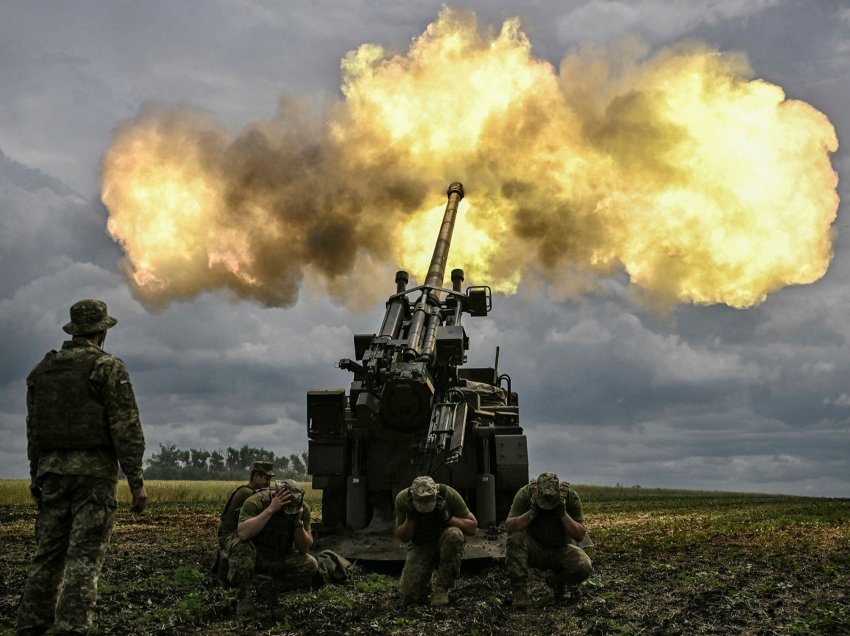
(558, 587)
(245, 606)
(519, 600)
(245, 601)
(244, 596)
(267, 589)
(439, 597)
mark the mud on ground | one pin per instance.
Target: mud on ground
(664, 564)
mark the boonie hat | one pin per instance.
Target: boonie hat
(424, 492)
(548, 491)
(264, 467)
(89, 316)
(297, 494)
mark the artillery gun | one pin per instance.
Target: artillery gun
(413, 410)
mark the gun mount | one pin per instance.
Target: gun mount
(412, 410)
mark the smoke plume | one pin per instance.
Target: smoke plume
(703, 184)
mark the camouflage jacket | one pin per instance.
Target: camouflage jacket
(276, 540)
(547, 528)
(109, 385)
(428, 526)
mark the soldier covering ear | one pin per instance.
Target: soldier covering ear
(545, 523)
(434, 519)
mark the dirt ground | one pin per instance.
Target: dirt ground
(665, 563)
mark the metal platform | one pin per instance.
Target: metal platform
(365, 546)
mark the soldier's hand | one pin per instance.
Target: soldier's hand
(534, 510)
(280, 499)
(140, 499)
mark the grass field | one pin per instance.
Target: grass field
(16, 491)
(666, 562)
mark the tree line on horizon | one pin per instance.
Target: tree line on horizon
(231, 464)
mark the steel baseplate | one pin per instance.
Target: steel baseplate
(363, 546)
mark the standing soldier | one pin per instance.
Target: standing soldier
(433, 518)
(544, 524)
(82, 423)
(261, 474)
(272, 539)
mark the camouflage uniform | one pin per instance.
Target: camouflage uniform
(434, 544)
(82, 422)
(544, 543)
(272, 551)
(230, 519)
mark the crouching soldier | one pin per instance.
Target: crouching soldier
(433, 518)
(272, 539)
(261, 474)
(544, 524)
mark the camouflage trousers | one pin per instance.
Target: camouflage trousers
(288, 572)
(73, 529)
(445, 555)
(569, 563)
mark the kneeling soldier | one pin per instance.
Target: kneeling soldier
(273, 540)
(544, 523)
(433, 518)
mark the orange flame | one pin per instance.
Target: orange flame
(704, 185)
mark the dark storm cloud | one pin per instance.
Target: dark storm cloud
(746, 400)
(708, 398)
(240, 379)
(45, 225)
(211, 374)
(611, 366)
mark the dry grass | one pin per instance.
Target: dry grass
(16, 491)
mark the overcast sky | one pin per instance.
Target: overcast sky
(707, 398)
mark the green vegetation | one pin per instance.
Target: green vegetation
(171, 462)
(666, 562)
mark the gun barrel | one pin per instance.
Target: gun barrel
(437, 269)
(434, 279)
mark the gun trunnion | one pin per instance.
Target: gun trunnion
(412, 410)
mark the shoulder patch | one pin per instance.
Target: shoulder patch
(123, 378)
